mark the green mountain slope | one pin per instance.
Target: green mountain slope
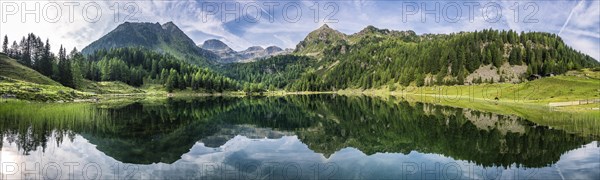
(166, 38)
(140, 66)
(318, 40)
(273, 72)
(374, 58)
(12, 69)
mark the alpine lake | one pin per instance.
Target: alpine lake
(289, 137)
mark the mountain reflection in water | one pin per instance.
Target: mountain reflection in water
(312, 136)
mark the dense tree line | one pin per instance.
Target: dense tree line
(32, 52)
(272, 73)
(407, 59)
(435, 59)
(134, 66)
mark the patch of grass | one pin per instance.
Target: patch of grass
(66, 116)
(542, 91)
(109, 87)
(579, 108)
(39, 92)
(10, 68)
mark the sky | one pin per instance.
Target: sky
(245, 23)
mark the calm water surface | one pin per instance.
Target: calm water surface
(293, 137)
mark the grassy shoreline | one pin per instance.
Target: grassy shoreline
(576, 85)
(490, 93)
(571, 119)
(580, 118)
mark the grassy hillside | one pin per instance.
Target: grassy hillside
(27, 84)
(39, 92)
(317, 41)
(21, 82)
(10, 68)
(575, 85)
(108, 87)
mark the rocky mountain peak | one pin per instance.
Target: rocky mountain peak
(319, 38)
(273, 49)
(153, 36)
(255, 48)
(214, 44)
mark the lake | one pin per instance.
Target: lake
(289, 137)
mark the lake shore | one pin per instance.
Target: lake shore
(447, 95)
(575, 119)
(562, 93)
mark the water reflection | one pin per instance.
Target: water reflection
(318, 136)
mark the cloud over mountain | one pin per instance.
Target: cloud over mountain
(243, 24)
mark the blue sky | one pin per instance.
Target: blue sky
(245, 23)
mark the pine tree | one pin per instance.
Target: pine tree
(180, 82)
(25, 48)
(172, 80)
(461, 78)
(497, 58)
(65, 69)
(196, 81)
(76, 59)
(164, 75)
(44, 65)
(37, 51)
(14, 51)
(5, 45)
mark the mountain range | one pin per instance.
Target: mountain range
(168, 38)
(370, 58)
(140, 54)
(375, 58)
(228, 55)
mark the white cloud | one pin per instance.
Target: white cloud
(582, 43)
(581, 31)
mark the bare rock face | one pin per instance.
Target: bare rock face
(273, 49)
(489, 73)
(220, 49)
(228, 55)
(214, 44)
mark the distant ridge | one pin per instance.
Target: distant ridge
(228, 55)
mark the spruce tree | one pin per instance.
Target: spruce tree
(44, 65)
(172, 83)
(14, 51)
(64, 69)
(5, 45)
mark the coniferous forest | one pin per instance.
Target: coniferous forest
(380, 58)
(326, 60)
(133, 66)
